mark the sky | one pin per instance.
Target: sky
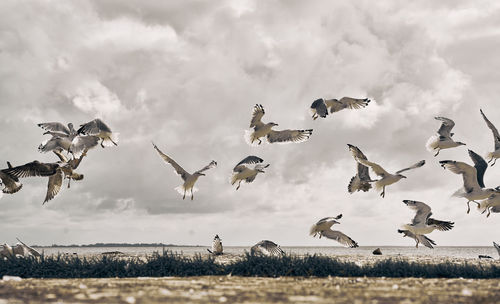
(186, 75)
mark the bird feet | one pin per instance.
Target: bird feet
(382, 194)
(437, 153)
(468, 207)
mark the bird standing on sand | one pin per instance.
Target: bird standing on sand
(267, 248)
(362, 180)
(247, 169)
(386, 177)
(261, 129)
(98, 128)
(189, 179)
(323, 228)
(319, 107)
(216, 246)
(496, 137)
(443, 138)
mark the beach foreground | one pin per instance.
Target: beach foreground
(235, 289)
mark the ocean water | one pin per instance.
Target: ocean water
(450, 252)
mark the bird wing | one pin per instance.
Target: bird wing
(54, 185)
(417, 165)
(178, 169)
(480, 165)
(270, 248)
(441, 225)
(339, 237)
(496, 135)
(75, 162)
(363, 173)
(377, 169)
(423, 211)
(258, 112)
(330, 218)
(93, 127)
(497, 247)
(54, 127)
(248, 161)
(61, 156)
(55, 143)
(289, 136)
(468, 172)
(30, 249)
(354, 103)
(356, 152)
(427, 242)
(320, 107)
(211, 165)
(81, 143)
(11, 183)
(446, 126)
(34, 168)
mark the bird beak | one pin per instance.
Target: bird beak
(403, 176)
(406, 202)
(349, 145)
(335, 222)
(202, 174)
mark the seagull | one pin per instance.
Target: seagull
(497, 247)
(11, 183)
(419, 238)
(70, 165)
(53, 171)
(98, 128)
(65, 138)
(6, 251)
(265, 130)
(443, 138)
(266, 248)
(29, 249)
(491, 204)
(472, 177)
(422, 223)
(319, 107)
(216, 246)
(361, 181)
(189, 179)
(386, 177)
(247, 169)
(323, 228)
(496, 137)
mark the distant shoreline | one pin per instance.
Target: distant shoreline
(99, 245)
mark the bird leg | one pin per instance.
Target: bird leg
(315, 116)
(113, 142)
(383, 193)
(102, 142)
(489, 212)
(184, 196)
(192, 194)
(417, 243)
(439, 150)
(468, 206)
(260, 141)
(69, 182)
(239, 184)
(494, 162)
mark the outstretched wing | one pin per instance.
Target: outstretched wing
(423, 211)
(446, 126)
(480, 165)
(178, 169)
(339, 237)
(268, 248)
(417, 165)
(289, 136)
(468, 172)
(93, 127)
(346, 103)
(441, 225)
(81, 143)
(54, 185)
(258, 112)
(377, 169)
(34, 168)
(320, 107)
(211, 165)
(11, 183)
(249, 160)
(54, 127)
(496, 135)
(30, 249)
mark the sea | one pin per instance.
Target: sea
(446, 252)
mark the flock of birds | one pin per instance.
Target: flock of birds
(72, 145)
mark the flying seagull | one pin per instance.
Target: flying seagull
(189, 179)
(54, 171)
(386, 177)
(65, 138)
(69, 166)
(323, 228)
(98, 128)
(266, 248)
(443, 138)
(319, 107)
(491, 204)
(497, 247)
(361, 181)
(265, 130)
(473, 188)
(247, 169)
(419, 238)
(216, 246)
(422, 223)
(11, 183)
(496, 137)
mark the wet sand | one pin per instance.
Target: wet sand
(217, 289)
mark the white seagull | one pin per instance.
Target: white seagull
(362, 180)
(65, 138)
(216, 246)
(491, 204)
(261, 129)
(323, 228)
(496, 137)
(266, 248)
(473, 188)
(386, 177)
(419, 238)
(443, 138)
(319, 107)
(247, 169)
(422, 223)
(98, 128)
(189, 179)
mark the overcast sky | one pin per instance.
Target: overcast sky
(186, 74)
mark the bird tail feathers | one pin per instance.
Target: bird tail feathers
(250, 138)
(432, 143)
